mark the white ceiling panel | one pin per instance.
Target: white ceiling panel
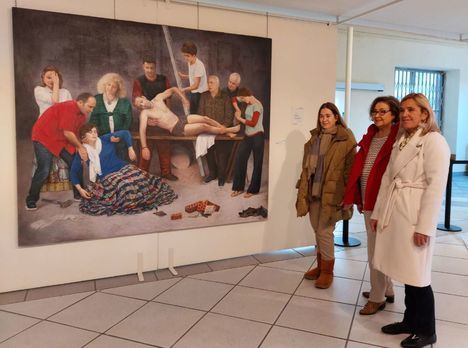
(331, 8)
(448, 16)
(441, 18)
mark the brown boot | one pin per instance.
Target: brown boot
(314, 273)
(372, 308)
(326, 274)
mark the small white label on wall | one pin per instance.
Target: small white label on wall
(297, 115)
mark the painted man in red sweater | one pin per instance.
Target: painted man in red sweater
(55, 134)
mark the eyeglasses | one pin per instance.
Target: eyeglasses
(378, 112)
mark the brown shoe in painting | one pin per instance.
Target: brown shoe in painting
(372, 308)
(326, 274)
(314, 273)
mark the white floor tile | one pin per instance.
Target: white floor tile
(318, 316)
(143, 291)
(218, 331)
(451, 335)
(277, 255)
(50, 335)
(299, 265)
(349, 268)
(450, 265)
(233, 263)
(453, 238)
(254, 304)
(357, 254)
(449, 250)
(97, 312)
(352, 344)
(228, 276)
(44, 308)
(366, 329)
(307, 250)
(104, 341)
(280, 337)
(11, 324)
(156, 323)
(451, 308)
(273, 279)
(450, 284)
(194, 293)
(342, 290)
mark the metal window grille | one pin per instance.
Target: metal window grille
(428, 82)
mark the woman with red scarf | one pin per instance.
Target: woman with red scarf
(363, 186)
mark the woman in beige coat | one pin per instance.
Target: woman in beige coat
(405, 216)
(328, 157)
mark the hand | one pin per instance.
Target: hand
(114, 139)
(152, 122)
(55, 79)
(83, 193)
(420, 239)
(181, 75)
(83, 153)
(132, 154)
(373, 224)
(145, 153)
(359, 208)
(138, 102)
(147, 104)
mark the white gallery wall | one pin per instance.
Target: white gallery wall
(303, 76)
(375, 56)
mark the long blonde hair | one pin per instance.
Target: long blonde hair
(115, 78)
(430, 125)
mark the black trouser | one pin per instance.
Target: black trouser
(194, 101)
(419, 313)
(44, 159)
(217, 158)
(255, 144)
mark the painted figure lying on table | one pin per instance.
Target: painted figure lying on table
(117, 187)
(166, 119)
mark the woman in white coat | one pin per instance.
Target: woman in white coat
(405, 216)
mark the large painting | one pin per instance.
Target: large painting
(179, 136)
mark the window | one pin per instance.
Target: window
(428, 82)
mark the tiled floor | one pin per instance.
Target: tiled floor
(253, 301)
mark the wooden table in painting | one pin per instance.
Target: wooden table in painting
(232, 156)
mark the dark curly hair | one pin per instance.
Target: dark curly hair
(391, 102)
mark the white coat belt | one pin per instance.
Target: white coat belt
(393, 190)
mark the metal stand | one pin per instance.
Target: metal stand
(446, 226)
(347, 241)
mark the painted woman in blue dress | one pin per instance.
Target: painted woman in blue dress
(116, 187)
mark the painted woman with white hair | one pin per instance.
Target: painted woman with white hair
(405, 216)
(113, 111)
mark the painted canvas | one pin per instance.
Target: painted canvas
(180, 134)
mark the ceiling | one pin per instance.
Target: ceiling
(446, 19)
